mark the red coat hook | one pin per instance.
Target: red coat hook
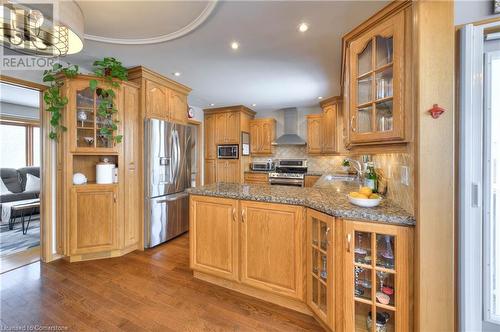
(436, 111)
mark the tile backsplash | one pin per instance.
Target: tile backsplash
(389, 163)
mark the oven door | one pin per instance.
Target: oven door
(286, 182)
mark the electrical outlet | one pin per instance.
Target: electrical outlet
(405, 175)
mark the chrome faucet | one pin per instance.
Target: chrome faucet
(357, 166)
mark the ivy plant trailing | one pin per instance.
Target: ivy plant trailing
(52, 96)
(110, 70)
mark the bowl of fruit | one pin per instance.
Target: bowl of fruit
(364, 197)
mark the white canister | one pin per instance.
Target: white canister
(104, 172)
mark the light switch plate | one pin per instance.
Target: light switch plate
(405, 175)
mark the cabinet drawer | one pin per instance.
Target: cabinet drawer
(258, 178)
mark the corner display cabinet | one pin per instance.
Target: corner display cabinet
(91, 219)
(377, 277)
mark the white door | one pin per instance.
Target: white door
(491, 196)
(479, 172)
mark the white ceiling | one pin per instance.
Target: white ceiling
(276, 66)
(13, 94)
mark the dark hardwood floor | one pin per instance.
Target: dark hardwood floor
(152, 290)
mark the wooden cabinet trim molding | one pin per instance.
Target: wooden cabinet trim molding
(136, 73)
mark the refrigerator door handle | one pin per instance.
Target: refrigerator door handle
(172, 198)
(177, 156)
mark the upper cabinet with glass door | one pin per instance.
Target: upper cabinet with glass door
(85, 120)
(376, 83)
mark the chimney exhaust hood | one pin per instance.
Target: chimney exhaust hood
(290, 136)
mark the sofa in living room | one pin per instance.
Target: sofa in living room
(18, 185)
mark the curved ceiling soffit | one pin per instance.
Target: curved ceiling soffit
(207, 11)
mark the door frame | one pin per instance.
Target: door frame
(471, 221)
(48, 233)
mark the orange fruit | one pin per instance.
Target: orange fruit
(367, 191)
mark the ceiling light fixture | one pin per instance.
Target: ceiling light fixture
(235, 45)
(51, 31)
(177, 73)
(320, 97)
(303, 27)
(253, 105)
(212, 104)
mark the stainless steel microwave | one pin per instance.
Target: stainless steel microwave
(228, 151)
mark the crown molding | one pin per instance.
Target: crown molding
(207, 11)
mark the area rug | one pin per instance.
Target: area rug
(12, 241)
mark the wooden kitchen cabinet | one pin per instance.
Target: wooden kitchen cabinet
(310, 180)
(84, 128)
(93, 219)
(376, 80)
(178, 106)
(227, 128)
(213, 235)
(157, 105)
(228, 170)
(133, 193)
(161, 98)
(210, 132)
(321, 266)
(210, 171)
(314, 133)
(256, 178)
(378, 261)
(272, 242)
(324, 130)
(262, 135)
(329, 132)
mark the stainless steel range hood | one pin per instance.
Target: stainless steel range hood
(291, 127)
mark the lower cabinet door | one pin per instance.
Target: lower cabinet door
(93, 219)
(213, 236)
(320, 269)
(210, 171)
(271, 248)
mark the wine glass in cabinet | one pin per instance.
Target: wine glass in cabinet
(377, 264)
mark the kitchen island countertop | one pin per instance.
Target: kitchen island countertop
(332, 201)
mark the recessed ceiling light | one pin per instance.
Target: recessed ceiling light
(235, 45)
(253, 105)
(177, 73)
(212, 104)
(320, 97)
(303, 27)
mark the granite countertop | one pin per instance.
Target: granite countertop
(332, 200)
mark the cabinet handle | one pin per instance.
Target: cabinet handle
(234, 214)
(242, 215)
(352, 123)
(114, 198)
(326, 235)
(349, 249)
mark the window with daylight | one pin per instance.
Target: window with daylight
(20, 144)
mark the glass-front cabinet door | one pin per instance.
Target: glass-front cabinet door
(86, 120)
(376, 83)
(377, 276)
(320, 265)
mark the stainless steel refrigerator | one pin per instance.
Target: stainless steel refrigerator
(168, 175)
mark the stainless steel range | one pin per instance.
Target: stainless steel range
(289, 172)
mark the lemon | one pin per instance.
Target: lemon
(374, 196)
(367, 191)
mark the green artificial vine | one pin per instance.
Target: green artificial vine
(52, 96)
(110, 70)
